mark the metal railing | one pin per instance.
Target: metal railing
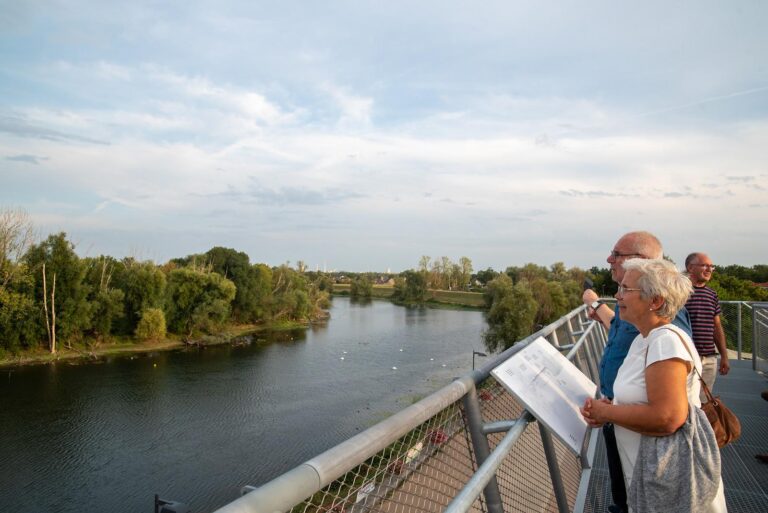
(421, 458)
(759, 335)
(467, 447)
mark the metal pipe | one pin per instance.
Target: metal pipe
(739, 338)
(467, 496)
(482, 450)
(501, 426)
(755, 313)
(554, 469)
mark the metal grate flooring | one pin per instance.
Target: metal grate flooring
(744, 477)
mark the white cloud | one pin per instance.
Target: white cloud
(337, 123)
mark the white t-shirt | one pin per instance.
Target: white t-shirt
(630, 388)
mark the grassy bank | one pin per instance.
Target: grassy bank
(378, 291)
(434, 297)
(123, 345)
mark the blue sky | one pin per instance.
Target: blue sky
(362, 135)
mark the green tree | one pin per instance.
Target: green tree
(551, 302)
(197, 301)
(106, 302)
(19, 326)
(151, 325)
(731, 288)
(465, 272)
(19, 318)
(292, 298)
(56, 258)
(106, 306)
(361, 288)
(486, 276)
(603, 284)
(410, 287)
(756, 274)
(511, 312)
(143, 286)
(248, 305)
(16, 237)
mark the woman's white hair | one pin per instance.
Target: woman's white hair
(660, 278)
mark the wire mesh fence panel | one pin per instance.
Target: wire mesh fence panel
(524, 478)
(420, 472)
(736, 318)
(760, 334)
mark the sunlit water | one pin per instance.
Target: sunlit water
(195, 426)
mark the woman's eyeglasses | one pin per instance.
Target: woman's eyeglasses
(623, 290)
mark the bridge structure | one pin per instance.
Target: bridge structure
(471, 447)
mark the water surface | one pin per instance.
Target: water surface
(196, 425)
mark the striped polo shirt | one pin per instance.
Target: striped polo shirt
(704, 306)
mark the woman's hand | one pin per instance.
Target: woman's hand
(594, 411)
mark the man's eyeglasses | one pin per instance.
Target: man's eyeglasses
(616, 254)
(706, 266)
(623, 290)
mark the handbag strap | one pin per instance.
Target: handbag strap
(704, 386)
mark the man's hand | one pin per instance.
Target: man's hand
(725, 366)
(590, 296)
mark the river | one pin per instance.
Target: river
(196, 425)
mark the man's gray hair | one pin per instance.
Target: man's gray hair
(690, 258)
(646, 244)
(660, 278)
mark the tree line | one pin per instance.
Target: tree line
(521, 300)
(50, 297)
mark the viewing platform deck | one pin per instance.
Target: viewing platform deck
(744, 477)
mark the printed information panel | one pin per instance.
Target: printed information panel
(551, 388)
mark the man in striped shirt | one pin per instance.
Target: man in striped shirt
(704, 308)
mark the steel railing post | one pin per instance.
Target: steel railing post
(481, 448)
(554, 469)
(739, 337)
(754, 337)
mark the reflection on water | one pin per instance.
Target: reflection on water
(196, 425)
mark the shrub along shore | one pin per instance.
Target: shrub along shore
(124, 346)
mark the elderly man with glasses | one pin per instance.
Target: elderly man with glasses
(704, 308)
(620, 337)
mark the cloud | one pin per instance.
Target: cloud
(594, 194)
(287, 196)
(355, 110)
(284, 115)
(29, 159)
(21, 128)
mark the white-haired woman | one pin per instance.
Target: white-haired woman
(657, 380)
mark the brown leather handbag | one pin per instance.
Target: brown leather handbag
(724, 422)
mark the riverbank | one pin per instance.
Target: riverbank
(435, 298)
(125, 346)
